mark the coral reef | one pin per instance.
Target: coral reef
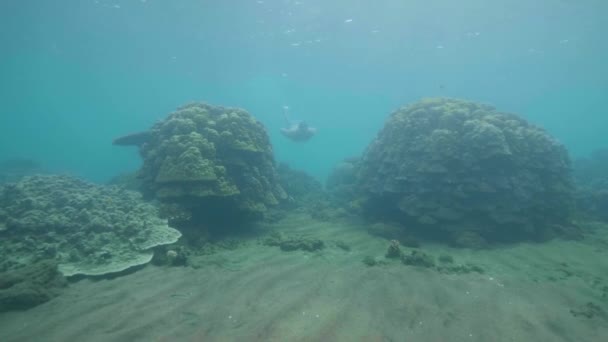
(593, 202)
(87, 229)
(209, 164)
(306, 194)
(127, 181)
(30, 286)
(341, 182)
(591, 176)
(442, 167)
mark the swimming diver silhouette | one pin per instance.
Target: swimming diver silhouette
(296, 131)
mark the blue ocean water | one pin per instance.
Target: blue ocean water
(78, 73)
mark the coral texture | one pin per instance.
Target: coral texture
(207, 161)
(447, 166)
(591, 175)
(30, 286)
(87, 229)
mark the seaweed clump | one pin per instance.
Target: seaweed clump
(447, 167)
(208, 164)
(87, 229)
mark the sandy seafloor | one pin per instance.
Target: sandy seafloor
(260, 293)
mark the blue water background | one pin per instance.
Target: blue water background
(76, 74)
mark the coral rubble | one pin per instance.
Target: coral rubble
(301, 188)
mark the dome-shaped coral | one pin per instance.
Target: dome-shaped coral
(446, 166)
(209, 162)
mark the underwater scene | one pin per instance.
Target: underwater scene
(303, 170)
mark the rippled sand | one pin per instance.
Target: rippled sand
(260, 293)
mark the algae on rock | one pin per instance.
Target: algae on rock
(88, 229)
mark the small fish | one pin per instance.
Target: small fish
(348, 21)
